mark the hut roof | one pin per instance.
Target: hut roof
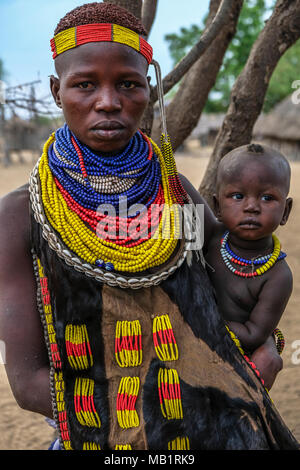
(283, 122)
(208, 122)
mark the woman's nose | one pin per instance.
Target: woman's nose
(107, 100)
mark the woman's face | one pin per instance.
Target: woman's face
(103, 91)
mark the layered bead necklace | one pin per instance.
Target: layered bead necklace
(265, 262)
(75, 182)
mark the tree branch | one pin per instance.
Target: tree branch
(247, 97)
(204, 42)
(193, 91)
(149, 9)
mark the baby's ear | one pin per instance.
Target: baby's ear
(216, 207)
(287, 210)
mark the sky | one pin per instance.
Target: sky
(27, 27)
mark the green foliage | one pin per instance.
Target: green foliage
(286, 72)
(251, 22)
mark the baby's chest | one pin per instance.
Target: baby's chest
(234, 294)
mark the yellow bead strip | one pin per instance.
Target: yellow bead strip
(123, 447)
(61, 409)
(85, 243)
(180, 443)
(169, 394)
(84, 403)
(78, 347)
(235, 340)
(273, 259)
(128, 343)
(91, 446)
(99, 32)
(126, 400)
(45, 295)
(164, 340)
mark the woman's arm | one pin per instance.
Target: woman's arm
(21, 330)
(210, 221)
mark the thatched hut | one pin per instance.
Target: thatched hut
(280, 128)
(207, 128)
(19, 135)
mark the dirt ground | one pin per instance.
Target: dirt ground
(20, 429)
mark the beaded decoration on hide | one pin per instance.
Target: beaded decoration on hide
(78, 347)
(126, 400)
(45, 295)
(84, 403)
(91, 446)
(164, 339)
(180, 443)
(61, 409)
(169, 394)
(128, 343)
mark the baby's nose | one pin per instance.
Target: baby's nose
(251, 204)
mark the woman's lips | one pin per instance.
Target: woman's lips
(108, 130)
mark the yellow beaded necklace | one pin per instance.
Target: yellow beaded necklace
(85, 243)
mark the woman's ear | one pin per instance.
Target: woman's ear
(287, 210)
(216, 207)
(55, 87)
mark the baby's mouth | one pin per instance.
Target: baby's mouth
(250, 224)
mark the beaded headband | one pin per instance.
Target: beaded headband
(98, 32)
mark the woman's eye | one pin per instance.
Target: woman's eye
(85, 85)
(127, 84)
(267, 197)
(237, 196)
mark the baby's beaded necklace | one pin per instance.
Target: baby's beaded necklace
(266, 262)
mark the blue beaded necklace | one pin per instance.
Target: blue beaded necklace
(132, 163)
(229, 256)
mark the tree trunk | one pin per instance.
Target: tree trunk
(184, 111)
(134, 6)
(149, 9)
(248, 93)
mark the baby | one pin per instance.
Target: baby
(251, 278)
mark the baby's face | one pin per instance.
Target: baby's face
(252, 201)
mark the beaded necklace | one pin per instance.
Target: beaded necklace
(266, 262)
(70, 206)
(135, 163)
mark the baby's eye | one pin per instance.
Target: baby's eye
(85, 85)
(237, 196)
(267, 197)
(127, 84)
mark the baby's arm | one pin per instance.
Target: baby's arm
(268, 310)
(210, 221)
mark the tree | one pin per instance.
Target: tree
(197, 72)
(250, 23)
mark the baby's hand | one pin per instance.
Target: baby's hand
(268, 362)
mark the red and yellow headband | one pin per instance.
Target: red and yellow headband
(83, 34)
